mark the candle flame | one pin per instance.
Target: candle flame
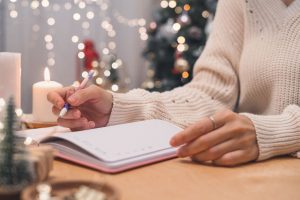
(47, 74)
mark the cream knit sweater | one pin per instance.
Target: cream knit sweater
(251, 64)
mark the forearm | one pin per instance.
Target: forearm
(277, 134)
(182, 106)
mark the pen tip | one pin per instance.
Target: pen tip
(91, 74)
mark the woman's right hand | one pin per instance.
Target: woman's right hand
(90, 107)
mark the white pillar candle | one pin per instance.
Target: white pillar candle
(10, 76)
(41, 108)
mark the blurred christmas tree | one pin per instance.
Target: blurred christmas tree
(106, 67)
(15, 169)
(176, 39)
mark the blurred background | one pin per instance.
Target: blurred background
(151, 44)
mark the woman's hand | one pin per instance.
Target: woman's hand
(90, 107)
(226, 139)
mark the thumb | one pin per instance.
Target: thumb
(84, 95)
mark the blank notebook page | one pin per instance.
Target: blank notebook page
(124, 141)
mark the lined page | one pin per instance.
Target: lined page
(124, 141)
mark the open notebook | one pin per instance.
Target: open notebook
(111, 149)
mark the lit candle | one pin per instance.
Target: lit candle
(41, 108)
(10, 76)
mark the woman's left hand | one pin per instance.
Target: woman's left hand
(226, 139)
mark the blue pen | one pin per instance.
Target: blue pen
(81, 86)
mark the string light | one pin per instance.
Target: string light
(51, 62)
(115, 65)
(75, 38)
(107, 49)
(187, 7)
(48, 38)
(111, 33)
(90, 15)
(112, 45)
(82, 5)
(13, 14)
(80, 46)
(172, 4)
(76, 16)
(180, 48)
(51, 21)
(19, 112)
(185, 75)
(95, 63)
(81, 55)
(178, 10)
(35, 4)
(164, 4)
(119, 61)
(107, 73)
(99, 81)
(181, 39)
(45, 3)
(68, 6)
(114, 87)
(85, 74)
(49, 46)
(176, 26)
(205, 14)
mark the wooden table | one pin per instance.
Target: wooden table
(183, 180)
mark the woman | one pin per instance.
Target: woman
(250, 65)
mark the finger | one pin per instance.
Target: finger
(84, 95)
(57, 97)
(72, 113)
(207, 141)
(70, 93)
(218, 151)
(91, 124)
(192, 132)
(81, 123)
(233, 158)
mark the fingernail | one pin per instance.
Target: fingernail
(92, 124)
(173, 142)
(59, 104)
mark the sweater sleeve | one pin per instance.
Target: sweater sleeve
(214, 85)
(277, 134)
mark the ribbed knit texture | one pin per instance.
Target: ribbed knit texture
(251, 64)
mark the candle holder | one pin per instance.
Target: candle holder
(69, 189)
(30, 123)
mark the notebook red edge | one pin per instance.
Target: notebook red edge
(116, 170)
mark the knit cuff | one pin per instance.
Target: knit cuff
(122, 110)
(127, 107)
(276, 134)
